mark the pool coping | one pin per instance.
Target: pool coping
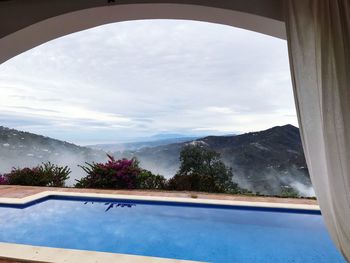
(28, 253)
(46, 254)
(46, 194)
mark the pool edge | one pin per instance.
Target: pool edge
(46, 194)
(28, 253)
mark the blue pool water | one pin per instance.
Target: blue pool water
(193, 232)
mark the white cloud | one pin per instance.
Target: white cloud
(220, 110)
(138, 78)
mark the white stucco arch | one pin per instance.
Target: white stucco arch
(64, 24)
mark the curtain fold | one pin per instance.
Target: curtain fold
(318, 33)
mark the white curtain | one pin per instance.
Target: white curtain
(319, 48)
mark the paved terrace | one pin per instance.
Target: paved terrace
(15, 191)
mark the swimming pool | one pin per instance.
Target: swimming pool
(203, 232)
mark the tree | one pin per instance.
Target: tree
(201, 169)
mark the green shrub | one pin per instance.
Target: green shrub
(148, 180)
(288, 191)
(46, 174)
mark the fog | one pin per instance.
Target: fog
(303, 189)
(21, 149)
(270, 182)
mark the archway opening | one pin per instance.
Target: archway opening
(152, 83)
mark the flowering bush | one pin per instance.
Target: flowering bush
(3, 180)
(46, 174)
(119, 174)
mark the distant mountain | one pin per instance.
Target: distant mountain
(168, 136)
(21, 149)
(265, 162)
(133, 146)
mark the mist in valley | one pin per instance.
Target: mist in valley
(69, 159)
(269, 182)
(21, 149)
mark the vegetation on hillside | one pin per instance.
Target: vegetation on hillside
(269, 162)
(263, 162)
(201, 169)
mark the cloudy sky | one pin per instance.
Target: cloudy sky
(136, 79)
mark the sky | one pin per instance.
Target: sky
(134, 79)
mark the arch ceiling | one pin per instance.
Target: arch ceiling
(39, 21)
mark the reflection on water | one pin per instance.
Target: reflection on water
(112, 204)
